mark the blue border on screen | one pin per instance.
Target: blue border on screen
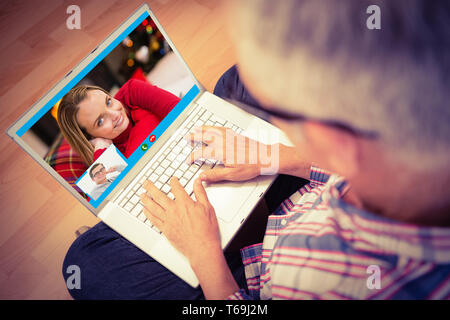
(158, 131)
(138, 153)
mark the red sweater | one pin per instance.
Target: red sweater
(147, 106)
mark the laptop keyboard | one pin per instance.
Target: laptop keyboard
(171, 163)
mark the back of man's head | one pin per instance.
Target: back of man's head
(319, 58)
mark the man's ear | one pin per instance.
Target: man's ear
(339, 151)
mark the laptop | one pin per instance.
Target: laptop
(161, 155)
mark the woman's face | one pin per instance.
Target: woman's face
(101, 115)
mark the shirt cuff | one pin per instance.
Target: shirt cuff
(318, 176)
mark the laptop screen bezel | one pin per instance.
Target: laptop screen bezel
(25, 122)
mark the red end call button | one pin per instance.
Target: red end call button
(152, 138)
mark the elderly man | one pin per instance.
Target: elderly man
(368, 107)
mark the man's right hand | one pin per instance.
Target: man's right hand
(239, 154)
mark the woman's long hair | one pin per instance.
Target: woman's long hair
(77, 137)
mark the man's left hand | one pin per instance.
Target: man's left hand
(191, 226)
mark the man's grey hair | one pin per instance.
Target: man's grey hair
(394, 81)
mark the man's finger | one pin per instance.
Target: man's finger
(200, 192)
(217, 174)
(155, 212)
(158, 196)
(154, 220)
(178, 190)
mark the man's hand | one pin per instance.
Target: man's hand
(240, 155)
(111, 169)
(191, 226)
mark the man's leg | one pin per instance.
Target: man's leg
(113, 268)
(229, 86)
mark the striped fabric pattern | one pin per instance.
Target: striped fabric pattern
(66, 162)
(317, 246)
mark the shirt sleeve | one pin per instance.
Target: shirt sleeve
(140, 94)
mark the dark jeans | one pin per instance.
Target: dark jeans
(113, 268)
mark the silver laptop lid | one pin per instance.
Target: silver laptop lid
(138, 47)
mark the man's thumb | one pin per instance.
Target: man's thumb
(216, 174)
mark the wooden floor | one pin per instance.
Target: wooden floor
(38, 217)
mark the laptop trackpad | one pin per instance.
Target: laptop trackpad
(228, 197)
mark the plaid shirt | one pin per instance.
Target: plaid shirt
(317, 246)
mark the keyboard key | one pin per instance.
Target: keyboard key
(178, 174)
(123, 202)
(134, 199)
(169, 171)
(171, 196)
(128, 207)
(158, 184)
(181, 157)
(137, 210)
(228, 125)
(165, 163)
(183, 181)
(177, 149)
(165, 188)
(218, 119)
(205, 116)
(199, 123)
(171, 156)
(141, 191)
(153, 177)
(187, 150)
(164, 178)
(175, 164)
(182, 143)
(159, 171)
(188, 174)
(184, 167)
(155, 165)
(194, 167)
(190, 187)
(142, 216)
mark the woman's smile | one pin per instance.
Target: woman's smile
(102, 116)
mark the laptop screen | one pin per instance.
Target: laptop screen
(97, 127)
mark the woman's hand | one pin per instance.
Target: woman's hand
(191, 226)
(100, 143)
(240, 155)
